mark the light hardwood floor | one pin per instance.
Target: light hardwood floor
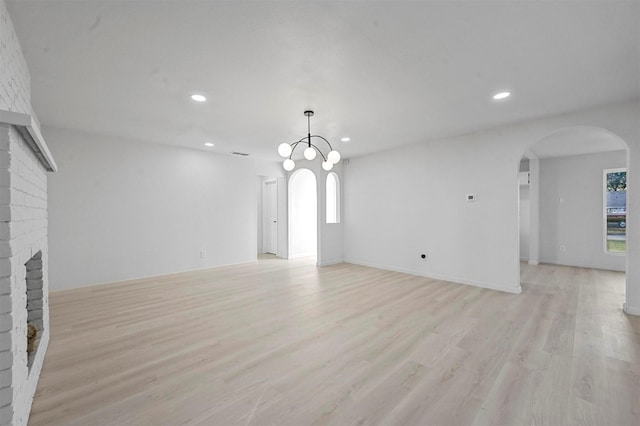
(283, 342)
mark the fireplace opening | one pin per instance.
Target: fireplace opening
(34, 306)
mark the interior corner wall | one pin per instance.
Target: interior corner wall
(121, 209)
(571, 210)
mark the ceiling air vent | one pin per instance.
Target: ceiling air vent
(244, 154)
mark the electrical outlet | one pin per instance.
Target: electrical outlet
(563, 248)
(203, 254)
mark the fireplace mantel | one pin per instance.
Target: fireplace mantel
(30, 131)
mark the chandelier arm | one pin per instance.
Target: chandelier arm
(294, 145)
(319, 152)
(318, 136)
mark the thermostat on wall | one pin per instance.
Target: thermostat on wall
(471, 197)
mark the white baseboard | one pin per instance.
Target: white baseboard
(332, 262)
(141, 277)
(533, 262)
(456, 280)
(583, 265)
(631, 310)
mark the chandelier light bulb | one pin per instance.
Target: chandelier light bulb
(310, 153)
(284, 149)
(334, 157)
(327, 165)
(288, 164)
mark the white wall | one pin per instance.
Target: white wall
(404, 202)
(571, 210)
(120, 209)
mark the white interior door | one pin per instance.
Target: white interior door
(271, 209)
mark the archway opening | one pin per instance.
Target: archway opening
(563, 202)
(303, 214)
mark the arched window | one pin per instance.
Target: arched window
(333, 198)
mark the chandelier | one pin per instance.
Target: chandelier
(286, 150)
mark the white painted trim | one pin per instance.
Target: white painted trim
(454, 280)
(29, 130)
(631, 310)
(533, 262)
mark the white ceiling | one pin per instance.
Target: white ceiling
(577, 141)
(385, 73)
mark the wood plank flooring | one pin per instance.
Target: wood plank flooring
(285, 343)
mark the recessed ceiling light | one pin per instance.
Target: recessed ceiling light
(209, 144)
(198, 98)
(501, 95)
(345, 139)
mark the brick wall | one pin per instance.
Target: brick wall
(15, 87)
(23, 239)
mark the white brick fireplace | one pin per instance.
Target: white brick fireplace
(24, 163)
(23, 264)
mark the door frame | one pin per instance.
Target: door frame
(265, 214)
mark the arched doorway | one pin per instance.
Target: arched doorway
(562, 182)
(303, 214)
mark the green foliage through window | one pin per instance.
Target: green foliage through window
(617, 181)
